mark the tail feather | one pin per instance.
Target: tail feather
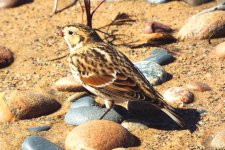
(170, 112)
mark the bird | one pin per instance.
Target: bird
(108, 73)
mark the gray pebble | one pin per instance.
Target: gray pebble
(39, 128)
(152, 71)
(77, 116)
(157, 1)
(160, 56)
(38, 143)
(83, 101)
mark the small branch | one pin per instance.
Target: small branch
(55, 6)
(82, 11)
(92, 13)
(57, 58)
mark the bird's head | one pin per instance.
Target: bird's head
(79, 34)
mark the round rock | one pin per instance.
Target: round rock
(100, 135)
(198, 86)
(83, 101)
(39, 143)
(133, 125)
(16, 105)
(157, 1)
(218, 141)
(77, 116)
(39, 128)
(69, 84)
(204, 25)
(152, 71)
(178, 95)
(196, 2)
(6, 56)
(160, 56)
(153, 26)
(220, 50)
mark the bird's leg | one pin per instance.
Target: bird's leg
(109, 105)
(55, 6)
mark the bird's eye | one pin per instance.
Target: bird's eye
(71, 32)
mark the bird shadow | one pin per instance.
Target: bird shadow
(154, 118)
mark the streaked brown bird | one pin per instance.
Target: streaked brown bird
(107, 72)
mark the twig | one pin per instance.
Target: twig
(57, 58)
(82, 11)
(55, 6)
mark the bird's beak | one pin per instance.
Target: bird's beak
(61, 33)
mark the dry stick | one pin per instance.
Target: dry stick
(82, 11)
(55, 6)
(57, 58)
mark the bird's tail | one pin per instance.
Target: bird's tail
(171, 113)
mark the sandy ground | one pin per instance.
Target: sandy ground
(30, 31)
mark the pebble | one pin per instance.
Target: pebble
(83, 101)
(160, 56)
(17, 105)
(177, 96)
(218, 141)
(69, 84)
(77, 116)
(198, 86)
(207, 24)
(6, 56)
(39, 143)
(196, 2)
(153, 26)
(100, 135)
(132, 125)
(220, 50)
(9, 3)
(152, 71)
(39, 128)
(157, 1)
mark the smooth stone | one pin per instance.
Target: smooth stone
(198, 86)
(17, 105)
(206, 24)
(153, 26)
(152, 71)
(6, 56)
(99, 135)
(196, 2)
(39, 128)
(39, 143)
(160, 56)
(178, 96)
(83, 101)
(77, 116)
(218, 141)
(69, 84)
(8, 3)
(132, 125)
(220, 50)
(157, 1)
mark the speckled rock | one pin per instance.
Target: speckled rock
(69, 84)
(220, 50)
(160, 56)
(83, 101)
(152, 71)
(218, 141)
(6, 56)
(198, 86)
(207, 24)
(153, 26)
(39, 128)
(39, 143)
(157, 1)
(9, 3)
(196, 2)
(99, 135)
(131, 125)
(16, 105)
(77, 116)
(178, 96)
